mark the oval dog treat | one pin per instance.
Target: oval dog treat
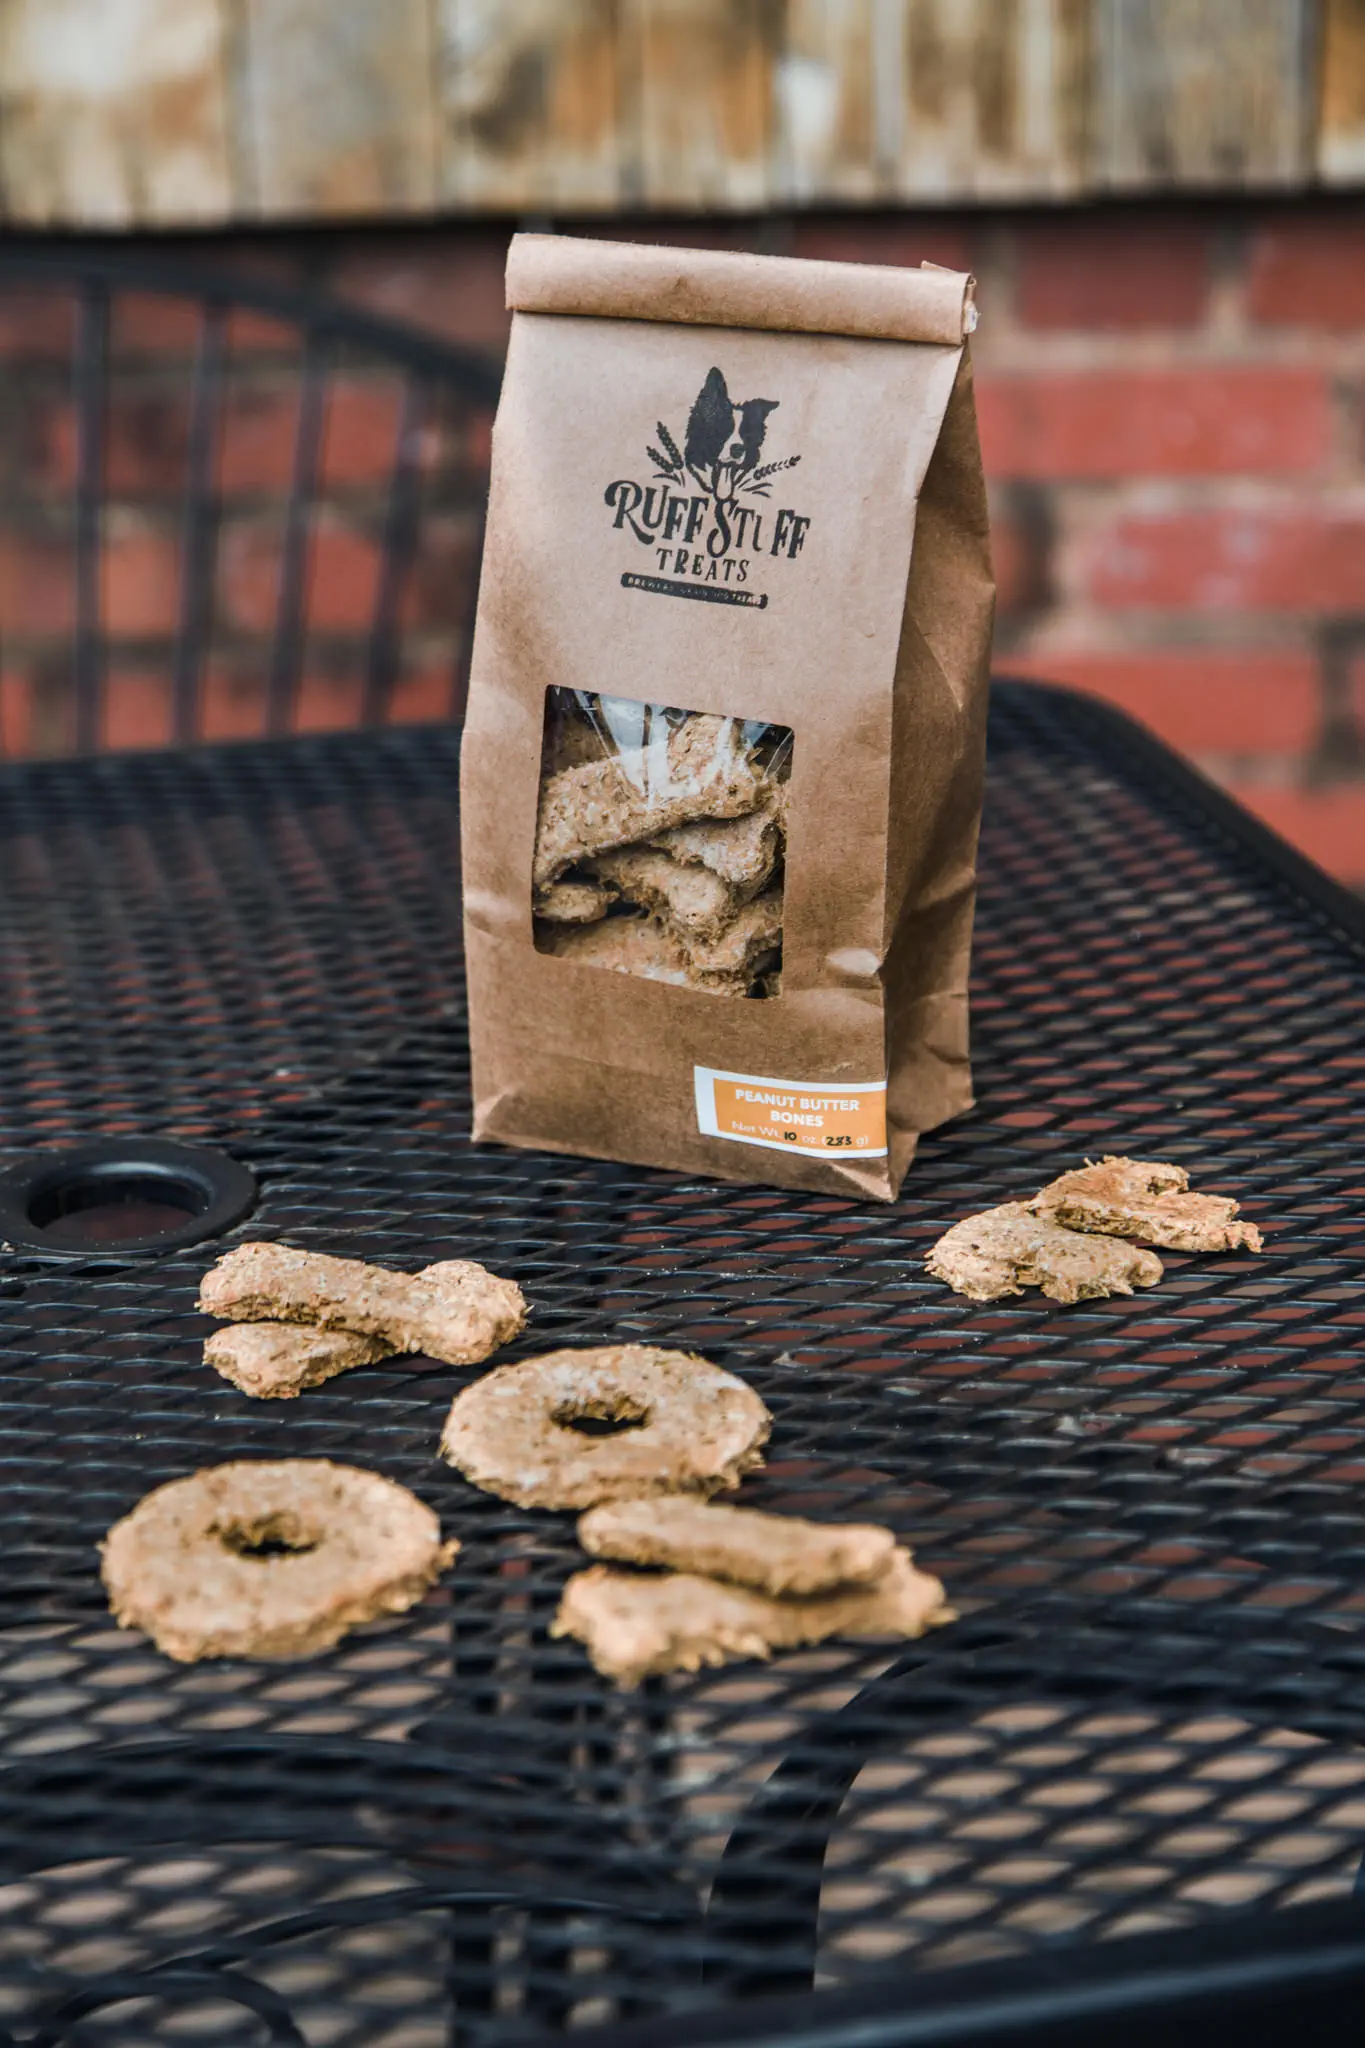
(1005, 1250)
(635, 1626)
(1146, 1200)
(454, 1311)
(688, 1427)
(272, 1558)
(275, 1361)
(777, 1554)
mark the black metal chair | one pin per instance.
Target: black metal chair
(159, 415)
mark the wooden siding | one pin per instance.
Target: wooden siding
(1203, 92)
(114, 111)
(157, 112)
(337, 106)
(529, 103)
(1341, 132)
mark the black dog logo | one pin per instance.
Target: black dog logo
(722, 444)
(724, 440)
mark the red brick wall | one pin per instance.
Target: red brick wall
(147, 432)
(1173, 417)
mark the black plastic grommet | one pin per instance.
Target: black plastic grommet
(117, 1197)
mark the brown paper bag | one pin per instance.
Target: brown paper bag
(721, 778)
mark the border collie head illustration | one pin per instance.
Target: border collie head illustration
(724, 439)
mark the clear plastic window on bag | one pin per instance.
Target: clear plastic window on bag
(661, 841)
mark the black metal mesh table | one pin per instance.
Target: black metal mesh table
(1148, 1722)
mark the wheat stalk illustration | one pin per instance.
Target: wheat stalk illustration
(670, 464)
(772, 468)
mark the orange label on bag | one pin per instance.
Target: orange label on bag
(792, 1116)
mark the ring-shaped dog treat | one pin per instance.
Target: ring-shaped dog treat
(272, 1558)
(528, 1432)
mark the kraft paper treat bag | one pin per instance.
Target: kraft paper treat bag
(722, 764)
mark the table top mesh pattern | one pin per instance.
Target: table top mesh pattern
(1149, 1512)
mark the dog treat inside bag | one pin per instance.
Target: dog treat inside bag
(694, 895)
(721, 779)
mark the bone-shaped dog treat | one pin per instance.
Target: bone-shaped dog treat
(636, 945)
(725, 965)
(276, 1361)
(741, 851)
(455, 1311)
(701, 770)
(742, 948)
(692, 901)
(777, 1554)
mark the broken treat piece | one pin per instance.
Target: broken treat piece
(635, 1627)
(276, 1361)
(1005, 1250)
(526, 1431)
(777, 1554)
(636, 945)
(455, 1311)
(704, 770)
(691, 902)
(1147, 1201)
(742, 852)
(574, 901)
(273, 1558)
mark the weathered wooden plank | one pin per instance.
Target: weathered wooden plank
(994, 98)
(529, 103)
(337, 106)
(933, 99)
(115, 114)
(1203, 92)
(1341, 136)
(825, 103)
(699, 77)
